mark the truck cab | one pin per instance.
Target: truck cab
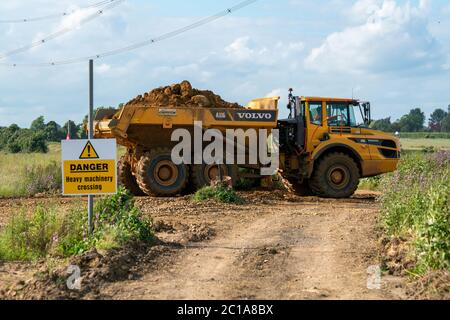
(327, 145)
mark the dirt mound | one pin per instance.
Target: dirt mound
(396, 257)
(96, 270)
(434, 285)
(181, 95)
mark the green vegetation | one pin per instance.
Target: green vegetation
(414, 121)
(421, 144)
(15, 171)
(14, 139)
(425, 135)
(416, 207)
(49, 233)
(219, 193)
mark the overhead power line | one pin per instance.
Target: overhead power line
(144, 43)
(59, 33)
(57, 15)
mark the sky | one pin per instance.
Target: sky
(393, 53)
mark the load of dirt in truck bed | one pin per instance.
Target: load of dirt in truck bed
(181, 95)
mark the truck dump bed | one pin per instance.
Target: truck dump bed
(152, 126)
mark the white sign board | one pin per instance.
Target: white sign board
(89, 166)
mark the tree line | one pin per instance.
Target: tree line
(14, 139)
(414, 121)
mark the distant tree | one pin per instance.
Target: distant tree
(396, 126)
(6, 135)
(445, 124)
(38, 124)
(73, 129)
(382, 125)
(82, 128)
(14, 128)
(36, 142)
(436, 118)
(27, 140)
(413, 121)
(52, 131)
(13, 147)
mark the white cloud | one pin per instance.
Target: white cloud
(243, 49)
(103, 68)
(274, 93)
(75, 19)
(393, 37)
(446, 66)
(446, 9)
(239, 49)
(364, 8)
(188, 71)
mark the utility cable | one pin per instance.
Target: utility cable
(59, 33)
(57, 15)
(144, 43)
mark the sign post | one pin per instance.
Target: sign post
(91, 136)
(89, 167)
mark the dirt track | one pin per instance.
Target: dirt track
(295, 248)
(275, 247)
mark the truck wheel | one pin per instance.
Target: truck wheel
(335, 176)
(202, 174)
(159, 176)
(126, 177)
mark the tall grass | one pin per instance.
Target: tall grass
(425, 135)
(419, 144)
(17, 170)
(49, 232)
(416, 207)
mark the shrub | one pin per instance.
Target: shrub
(416, 206)
(120, 212)
(28, 238)
(47, 233)
(42, 178)
(25, 140)
(219, 193)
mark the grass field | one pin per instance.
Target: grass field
(13, 168)
(419, 144)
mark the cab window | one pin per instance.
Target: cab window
(315, 113)
(338, 114)
(343, 114)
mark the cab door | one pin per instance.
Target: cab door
(341, 125)
(315, 124)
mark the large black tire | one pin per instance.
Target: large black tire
(202, 174)
(126, 177)
(335, 176)
(157, 175)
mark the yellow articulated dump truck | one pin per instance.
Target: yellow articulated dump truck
(325, 145)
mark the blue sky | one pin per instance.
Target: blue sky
(393, 53)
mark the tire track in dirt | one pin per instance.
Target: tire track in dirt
(289, 250)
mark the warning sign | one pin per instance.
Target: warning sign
(89, 152)
(89, 166)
